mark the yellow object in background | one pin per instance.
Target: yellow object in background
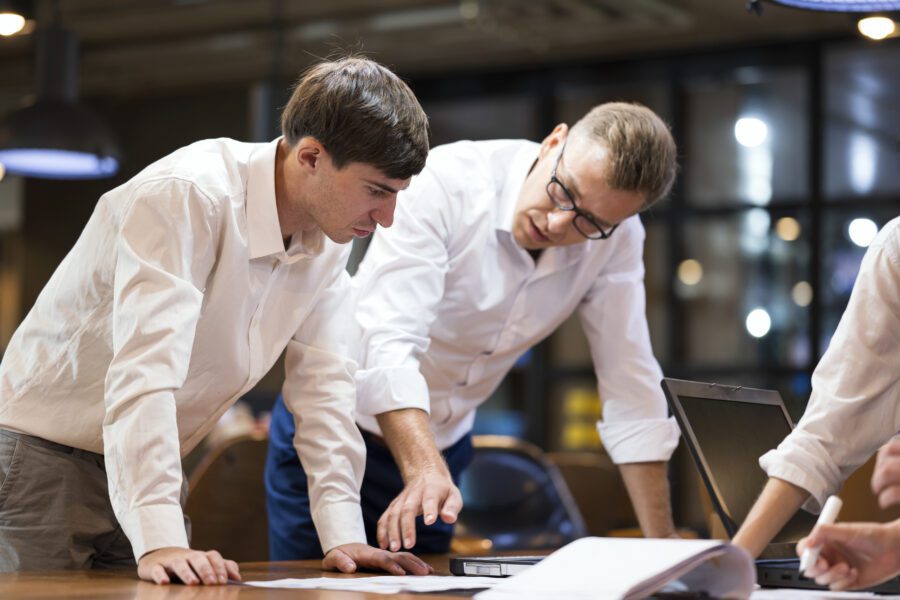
(581, 409)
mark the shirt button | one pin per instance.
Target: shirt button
(487, 353)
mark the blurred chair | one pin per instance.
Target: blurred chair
(598, 490)
(227, 499)
(514, 498)
(860, 503)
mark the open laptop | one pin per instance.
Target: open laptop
(726, 430)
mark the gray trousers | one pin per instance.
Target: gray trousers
(55, 511)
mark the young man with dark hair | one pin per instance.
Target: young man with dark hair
(184, 288)
(495, 244)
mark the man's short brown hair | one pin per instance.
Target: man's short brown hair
(360, 112)
(642, 153)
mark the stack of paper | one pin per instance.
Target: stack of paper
(383, 585)
(632, 568)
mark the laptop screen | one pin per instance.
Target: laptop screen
(733, 435)
(728, 429)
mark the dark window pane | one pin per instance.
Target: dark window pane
(482, 119)
(656, 280)
(845, 236)
(576, 100)
(862, 126)
(746, 293)
(764, 108)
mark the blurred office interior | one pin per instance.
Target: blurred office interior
(787, 122)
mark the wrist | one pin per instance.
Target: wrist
(423, 469)
(151, 553)
(660, 531)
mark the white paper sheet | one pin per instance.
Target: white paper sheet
(592, 568)
(796, 594)
(388, 584)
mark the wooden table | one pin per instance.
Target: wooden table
(106, 585)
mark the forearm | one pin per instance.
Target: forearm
(776, 504)
(648, 487)
(145, 500)
(429, 490)
(408, 435)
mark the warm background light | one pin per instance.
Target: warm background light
(876, 28)
(787, 228)
(802, 293)
(690, 272)
(11, 23)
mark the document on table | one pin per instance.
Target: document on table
(388, 584)
(797, 594)
(592, 568)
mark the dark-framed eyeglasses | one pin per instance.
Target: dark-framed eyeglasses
(563, 199)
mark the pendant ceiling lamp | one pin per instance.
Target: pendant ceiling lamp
(14, 14)
(56, 137)
(852, 6)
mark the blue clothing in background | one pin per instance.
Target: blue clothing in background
(292, 535)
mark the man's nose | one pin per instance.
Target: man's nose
(384, 214)
(558, 221)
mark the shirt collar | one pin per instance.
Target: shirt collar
(516, 171)
(263, 228)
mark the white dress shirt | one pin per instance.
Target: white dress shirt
(176, 299)
(855, 403)
(448, 301)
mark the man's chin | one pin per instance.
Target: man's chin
(341, 237)
(524, 242)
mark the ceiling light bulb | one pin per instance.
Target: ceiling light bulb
(11, 23)
(876, 28)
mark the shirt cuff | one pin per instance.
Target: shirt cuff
(385, 389)
(647, 440)
(153, 527)
(788, 466)
(339, 523)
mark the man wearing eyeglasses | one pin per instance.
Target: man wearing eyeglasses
(494, 245)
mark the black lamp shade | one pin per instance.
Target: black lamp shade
(56, 139)
(852, 6)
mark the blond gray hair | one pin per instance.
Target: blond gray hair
(641, 151)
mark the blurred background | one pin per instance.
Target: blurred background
(786, 120)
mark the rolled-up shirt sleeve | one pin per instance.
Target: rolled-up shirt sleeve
(635, 426)
(164, 255)
(319, 390)
(399, 288)
(853, 408)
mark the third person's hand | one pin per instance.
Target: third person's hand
(854, 555)
(432, 495)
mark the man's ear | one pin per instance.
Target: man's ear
(554, 139)
(308, 153)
